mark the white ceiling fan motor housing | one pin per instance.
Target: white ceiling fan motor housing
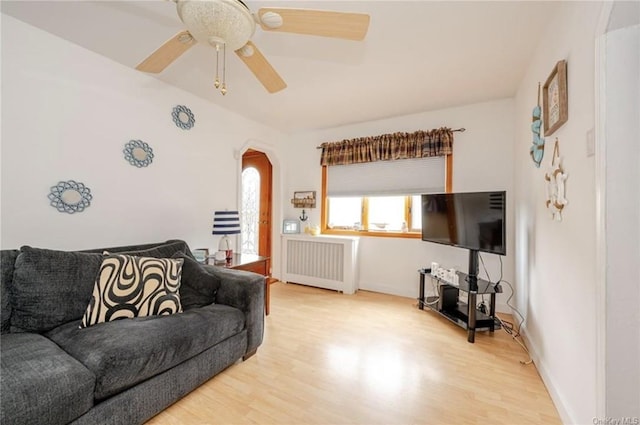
(226, 20)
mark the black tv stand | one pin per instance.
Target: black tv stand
(465, 315)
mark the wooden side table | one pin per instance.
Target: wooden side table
(251, 263)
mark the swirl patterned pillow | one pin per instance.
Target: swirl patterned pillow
(129, 286)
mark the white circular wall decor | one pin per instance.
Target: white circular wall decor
(183, 117)
(70, 196)
(138, 153)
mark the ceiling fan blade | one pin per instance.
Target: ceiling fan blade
(261, 68)
(167, 53)
(351, 26)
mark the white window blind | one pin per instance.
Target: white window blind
(380, 178)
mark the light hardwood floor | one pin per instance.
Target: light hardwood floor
(369, 358)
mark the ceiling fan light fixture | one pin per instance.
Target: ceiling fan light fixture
(271, 19)
(230, 24)
(247, 51)
(227, 20)
(185, 38)
(220, 23)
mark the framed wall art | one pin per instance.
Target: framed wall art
(555, 107)
(290, 226)
(201, 254)
(304, 199)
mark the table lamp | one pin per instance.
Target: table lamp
(226, 223)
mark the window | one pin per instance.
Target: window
(386, 213)
(381, 198)
(389, 214)
(416, 219)
(345, 213)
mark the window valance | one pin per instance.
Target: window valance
(419, 144)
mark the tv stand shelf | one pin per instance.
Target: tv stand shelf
(467, 316)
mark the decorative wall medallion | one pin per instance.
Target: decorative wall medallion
(555, 179)
(138, 153)
(70, 196)
(183, 117)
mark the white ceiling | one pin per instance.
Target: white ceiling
(417, 55)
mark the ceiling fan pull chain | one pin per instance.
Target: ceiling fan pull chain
(223, 90)
(216, 83)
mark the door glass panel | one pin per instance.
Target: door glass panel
(250, 210)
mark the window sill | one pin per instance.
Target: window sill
(372, 233)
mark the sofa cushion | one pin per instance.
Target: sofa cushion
(129, 286)
(50, 287)
(198, 287)
(7, 263)
(157, 250)
(40, 383)
(125, 352)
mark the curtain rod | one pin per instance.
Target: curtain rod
(461, 130)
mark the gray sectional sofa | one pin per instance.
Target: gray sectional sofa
(119, 372)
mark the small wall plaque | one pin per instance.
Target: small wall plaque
(304, 199)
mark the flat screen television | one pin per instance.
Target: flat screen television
(471, 220)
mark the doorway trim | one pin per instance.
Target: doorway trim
(600, 173)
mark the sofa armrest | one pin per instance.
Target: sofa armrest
(244, 291)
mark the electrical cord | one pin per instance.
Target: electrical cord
(513, 308)
(515, 336)
(436, 290)
(509, 328)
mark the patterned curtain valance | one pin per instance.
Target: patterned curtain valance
(419, 144)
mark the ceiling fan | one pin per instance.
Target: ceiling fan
(229, 25)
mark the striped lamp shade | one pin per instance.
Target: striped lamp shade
(226, 223)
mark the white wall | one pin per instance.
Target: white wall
(67, 113)
(555, 262)
(622, 152)
(482, 161)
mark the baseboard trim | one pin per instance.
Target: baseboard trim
(558, 401)
(385, 289)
